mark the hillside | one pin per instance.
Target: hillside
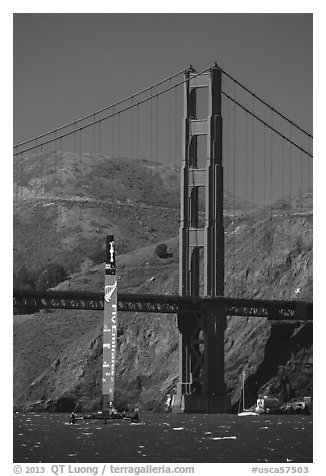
(65, 204)
(57, 354)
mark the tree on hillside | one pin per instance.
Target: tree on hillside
(23, 279)
(86, 265)
(161, 250)
(50, 276)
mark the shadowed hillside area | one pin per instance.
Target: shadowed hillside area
(64, 207)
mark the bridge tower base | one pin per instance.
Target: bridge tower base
(201, 387)
(201, 404)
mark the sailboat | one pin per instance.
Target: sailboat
(110, 327)
(244, 411)
(110, 337)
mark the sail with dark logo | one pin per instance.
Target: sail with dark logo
(110, 326)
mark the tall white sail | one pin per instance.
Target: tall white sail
(110, 326)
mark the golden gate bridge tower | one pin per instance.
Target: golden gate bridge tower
(201, 385)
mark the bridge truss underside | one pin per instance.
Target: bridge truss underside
(272, 310)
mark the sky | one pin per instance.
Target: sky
(68, 65)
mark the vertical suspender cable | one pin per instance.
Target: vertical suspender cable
(56, 202)
(137, 109)
(61, 182)
(290, 213)
(118, 139)
(21, 188)
(157, 127)
(93, 172)
(76, 176)
(283, 170)
(228, 146)
(253, 154)
(308, 196)
(169, 120)
(253, 178)
(99, 202)
(234, 154)
(40, 243)
(55, 175)
(246, 197)
(94, 135)
(113, 132)
(80, 160)
(41, 162)
(246, 156)
(151, 127)
(308, 161)
(58, 179)
(132, 129)
(99, 140)
(175, 124)
(37, 193)
(265, 160)
(271, 218)
(301, 182)
(37, 183)
(75, 147)
(80, 179)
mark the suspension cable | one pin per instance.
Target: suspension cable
(101, 110)
(266, 124)
(110, 115)
(265, 103)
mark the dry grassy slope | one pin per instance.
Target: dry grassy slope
(64, 205)
(64, 208)
(59, 353)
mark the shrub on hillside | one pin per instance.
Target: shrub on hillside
(97, 254)
(23, 279)
(161, 250)
(50, 276)
(86, 265)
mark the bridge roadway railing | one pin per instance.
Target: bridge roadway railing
(94, 301)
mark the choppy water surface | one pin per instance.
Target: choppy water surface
(164, 438)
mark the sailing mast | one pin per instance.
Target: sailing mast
(243, 390)
(110, 327)
(244, 412)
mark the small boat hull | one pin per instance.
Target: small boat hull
(247, 414)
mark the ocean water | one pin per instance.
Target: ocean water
(169, 438)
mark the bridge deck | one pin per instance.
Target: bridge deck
(273, 310)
